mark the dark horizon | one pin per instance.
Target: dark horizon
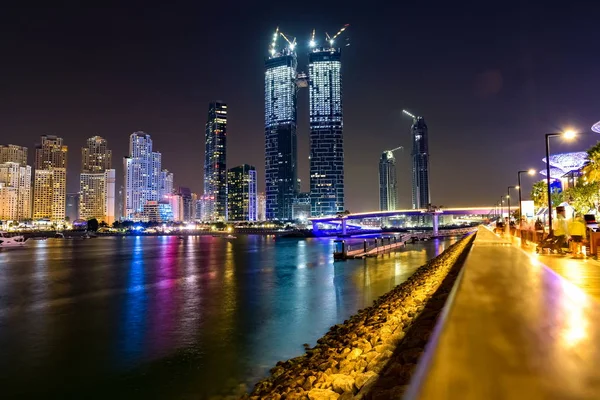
(489, 82)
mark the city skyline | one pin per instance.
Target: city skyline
(512, 90)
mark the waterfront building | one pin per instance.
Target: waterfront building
(261, 213)
(193, 207)
(241, 193)
(72, 207)
(187, 208)
(326, 131)
(165, 183)
(388, 190)
(13, 153)
(420, 164)
(204, 207)
(142, 174)
(281, 152)
(301, 208)
(95, 156)
(97, 182)
(155, 211)
(215, 166)
(50, 179)
(176, 202)
(15, 191)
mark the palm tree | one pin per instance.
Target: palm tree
(591, 171)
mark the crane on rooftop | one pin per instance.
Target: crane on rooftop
(331, 39)
(292, 43)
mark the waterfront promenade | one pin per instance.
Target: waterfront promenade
(513, 329)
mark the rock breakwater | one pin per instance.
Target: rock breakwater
(371, 347)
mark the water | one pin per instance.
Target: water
(159, 317)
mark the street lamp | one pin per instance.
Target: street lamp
(502, 208)
(508, 198)
(530, 172)
(567, 135)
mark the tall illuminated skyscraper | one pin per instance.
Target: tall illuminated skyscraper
(50, 182)
(97, 182)
(15, 183)
(215, 162)
(95, 156)
(13, 153)
(326, 130)
(281, 175)
(142, 170)
(388, 190)
(420, 163)
(241, 193)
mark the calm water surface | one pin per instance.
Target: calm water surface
(158, 317)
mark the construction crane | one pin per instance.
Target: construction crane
(312, 42)
(332, 39)
(396, 149)
(291, 43)
(409, 114)
(273, 44)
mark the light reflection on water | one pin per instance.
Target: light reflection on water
(159, 316)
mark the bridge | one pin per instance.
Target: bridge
(435, 212)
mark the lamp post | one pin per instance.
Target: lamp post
(567, 135)
(502, 208)
(530, 172)
(508, 198)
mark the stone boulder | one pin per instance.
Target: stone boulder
(322, 394)
(342, 383)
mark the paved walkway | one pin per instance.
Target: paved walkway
(585, 273)
(512, 329)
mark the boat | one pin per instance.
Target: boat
(230, 237)
(180, 237)
(14, 241)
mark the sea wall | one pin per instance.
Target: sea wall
(348, 362)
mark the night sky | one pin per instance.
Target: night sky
(489, 79)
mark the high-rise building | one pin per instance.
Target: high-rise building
(166, 183)
(186, 198)
(301, 207)
(388, 185)
(215, 166)
(72, 207)
(420, 164)
(143, 173)
(175, 201)
(326, 131)
(261, 201)
(50, 182)
(281, 153)
(15, 191)
(241, 193)
(13, 153)
(97, 182)
(95, 156)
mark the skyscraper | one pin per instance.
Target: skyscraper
(15, 183)
(95, 156)
(326, 131)
(241, 193)
(187, 208)
(15, 191)
(13, 153)
(142, 170)
(420, 163)
(261, 213)
(97, 182)
(388, 190)
(50, 182)
(215, 166)
(72, 207)
(281, 152)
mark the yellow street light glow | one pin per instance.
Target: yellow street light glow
(517, 187)
(569, 134)
(531, 171)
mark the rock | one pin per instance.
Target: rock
(361, 379)
(342, 383)
(346, 396)
(308, 382)
(353, 355)
(277, 371)
(322, 394)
